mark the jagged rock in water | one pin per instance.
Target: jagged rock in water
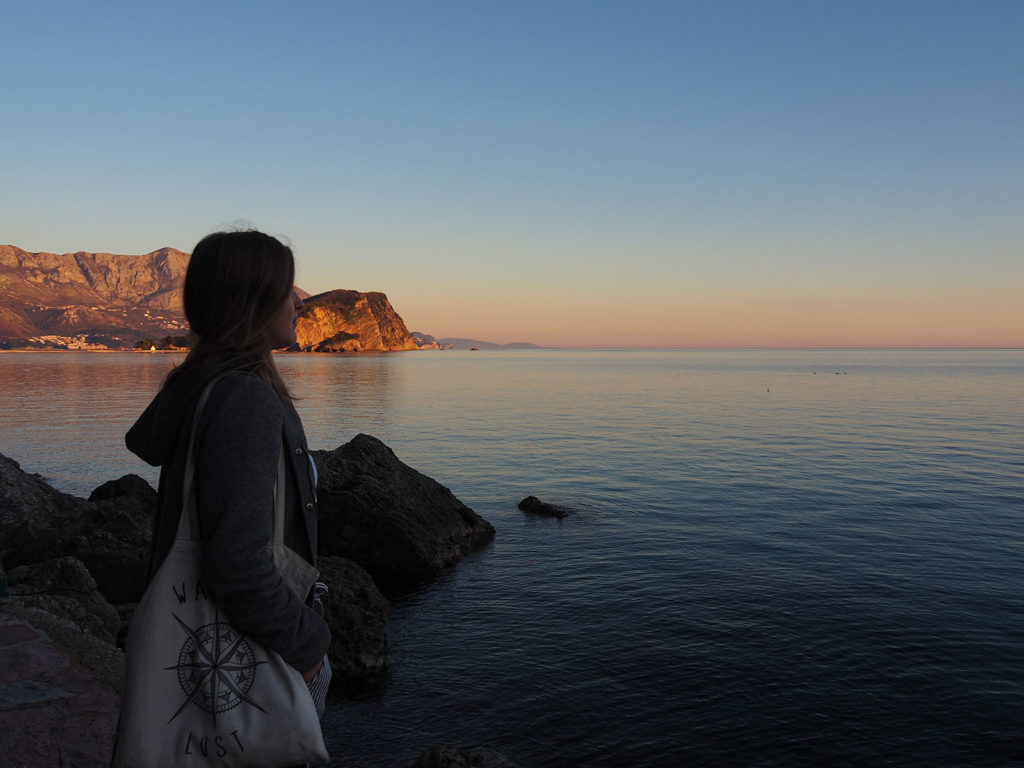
(534, 506)
(398, 524)
(64, 587)
(350, 321)
(357, 614)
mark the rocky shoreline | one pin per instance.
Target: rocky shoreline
(77, 567)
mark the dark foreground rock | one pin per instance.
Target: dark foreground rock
(534, 506)
(357, 614)
(109, 533)
(87, 562)
(115, 548)
(59, 690)
(398, 524)
(473, 757)
(69, 559)
(33, 515)
(64, 587)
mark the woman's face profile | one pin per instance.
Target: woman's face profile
(282, 328)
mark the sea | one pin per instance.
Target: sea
(773, 557)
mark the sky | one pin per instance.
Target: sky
(572, 174)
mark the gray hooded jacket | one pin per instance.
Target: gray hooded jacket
(241, 431)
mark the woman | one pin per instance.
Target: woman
(241, 304)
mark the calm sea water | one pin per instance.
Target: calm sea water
(777, 558)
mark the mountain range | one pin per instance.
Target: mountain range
(89, 299)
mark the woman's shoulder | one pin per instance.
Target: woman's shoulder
(245, 384)
(245, 394)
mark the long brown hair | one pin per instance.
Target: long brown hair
(234, 285)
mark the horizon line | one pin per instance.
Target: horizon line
(502, 347)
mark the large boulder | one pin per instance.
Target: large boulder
(116, 547)
(110, 533)
(34, 516)
(398, 524)
(357, 614)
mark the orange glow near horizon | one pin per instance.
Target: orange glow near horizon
(749, 322)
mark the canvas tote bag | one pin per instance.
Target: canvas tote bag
(197, 691)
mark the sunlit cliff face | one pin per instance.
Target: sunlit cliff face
(351, 321)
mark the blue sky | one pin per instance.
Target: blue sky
(568, 173)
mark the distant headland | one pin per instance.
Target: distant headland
(426, 341)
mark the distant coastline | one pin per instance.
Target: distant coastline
(537, 348)
(485, 346)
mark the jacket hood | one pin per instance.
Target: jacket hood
(154, 435)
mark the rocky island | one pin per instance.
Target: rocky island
(350, 321)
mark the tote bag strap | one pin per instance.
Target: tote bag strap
(188, 525)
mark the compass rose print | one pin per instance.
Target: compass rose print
(216, 668)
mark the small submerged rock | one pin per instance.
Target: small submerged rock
(473, 757)
(534, 506)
